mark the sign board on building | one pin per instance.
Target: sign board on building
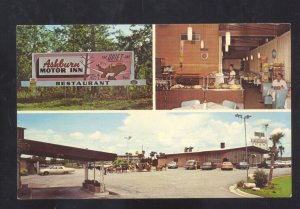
(259, 134)
(84, 69)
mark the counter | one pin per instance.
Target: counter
(169, 99)
(219, 95)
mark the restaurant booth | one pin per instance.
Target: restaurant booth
(193, 65)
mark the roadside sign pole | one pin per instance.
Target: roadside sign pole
(65, 92)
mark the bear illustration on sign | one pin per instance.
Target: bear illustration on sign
(115, 70)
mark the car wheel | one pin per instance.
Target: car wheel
(46, 173)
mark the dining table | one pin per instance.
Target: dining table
(209, 106)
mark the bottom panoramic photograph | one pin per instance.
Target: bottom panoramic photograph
(119, 155)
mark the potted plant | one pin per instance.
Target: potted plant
(86, 184)
(95, 187)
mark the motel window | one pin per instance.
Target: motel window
(196, 37)
(175, 160)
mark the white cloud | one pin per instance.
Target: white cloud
(95, 135)
(162, 131)
(77, 135)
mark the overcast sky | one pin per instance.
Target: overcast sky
(159, 131)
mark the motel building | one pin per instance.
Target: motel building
(234, 155)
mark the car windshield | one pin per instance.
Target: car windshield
(243, 163)
(190, 162)
(207, 163)
(227, 163)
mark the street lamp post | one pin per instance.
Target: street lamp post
(246, 155)
(128, 138)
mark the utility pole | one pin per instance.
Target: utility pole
(246, 155)
(128, 138)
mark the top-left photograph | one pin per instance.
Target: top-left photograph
(84, 67)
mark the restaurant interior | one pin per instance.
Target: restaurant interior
(223, 66)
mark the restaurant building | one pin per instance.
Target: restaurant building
(234, 155)
(192, 63)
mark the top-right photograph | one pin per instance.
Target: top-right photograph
(223, 66)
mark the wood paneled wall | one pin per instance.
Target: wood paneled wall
(236, 63)
(168, 47)
(283, 46)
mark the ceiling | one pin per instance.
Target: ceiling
(245, 37)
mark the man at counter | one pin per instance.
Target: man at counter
(279, 83)
(232, 75)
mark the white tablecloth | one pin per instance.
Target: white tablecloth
(209, 105)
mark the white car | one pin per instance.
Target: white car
(172, 164)
(288, 163)
(283, 164)
(56, 170)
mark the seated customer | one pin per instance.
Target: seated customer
(279, 83)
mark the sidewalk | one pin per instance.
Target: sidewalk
(236, 191)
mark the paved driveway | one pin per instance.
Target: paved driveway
(173, 183)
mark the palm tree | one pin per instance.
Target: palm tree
(275, 138)
(281, 150)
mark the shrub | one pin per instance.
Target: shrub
(240, 183)
(261, 178)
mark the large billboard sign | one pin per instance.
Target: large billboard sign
(84, 69)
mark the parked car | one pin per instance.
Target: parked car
(208, 166)
(99, 166)
(267, 164)
(191, 164)
(56, 170)
(227, 166)
(242, 165)
(288, 163)
(282, 164)
(172, 164)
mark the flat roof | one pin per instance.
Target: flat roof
(251, 148)
(65, 152)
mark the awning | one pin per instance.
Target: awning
(43, 149)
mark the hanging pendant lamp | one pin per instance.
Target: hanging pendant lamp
(190, 33)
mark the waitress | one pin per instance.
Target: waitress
(231, 75)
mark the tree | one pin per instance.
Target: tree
(281, 150)
(152, 154)
(275, 138)
(30, 39)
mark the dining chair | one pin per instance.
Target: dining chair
(280, 97)
(190, 103)
(266, 98)
(229, 104)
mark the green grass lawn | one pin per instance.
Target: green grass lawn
(282, 188)
(85, 104)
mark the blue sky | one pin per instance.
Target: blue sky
(159, 131)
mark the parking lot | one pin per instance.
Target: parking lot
(172, 183)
